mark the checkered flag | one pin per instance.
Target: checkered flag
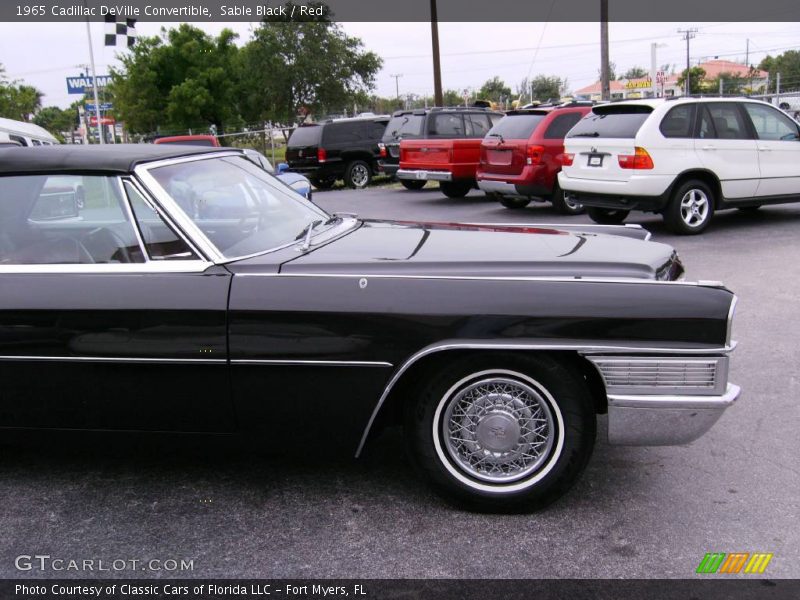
(122, 33)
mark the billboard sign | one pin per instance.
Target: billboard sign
(83, 84)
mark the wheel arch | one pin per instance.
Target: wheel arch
(389, 408)
(704, 175)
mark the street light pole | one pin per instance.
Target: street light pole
(605, 84)
(438, 98)
(397, 85)
(688, 35)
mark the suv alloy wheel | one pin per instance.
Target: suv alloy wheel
(690, 208)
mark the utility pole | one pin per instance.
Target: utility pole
(397, 85)
(688, 35)
(438, 98)
(605, 84)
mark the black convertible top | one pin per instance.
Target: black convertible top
(110, 158)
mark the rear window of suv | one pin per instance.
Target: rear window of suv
(612, 122)
(305, 136)
(517, 127)
(405, 126)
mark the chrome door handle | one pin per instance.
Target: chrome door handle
(709, 147)
(764, 149)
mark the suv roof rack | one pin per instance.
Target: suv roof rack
(744, 96)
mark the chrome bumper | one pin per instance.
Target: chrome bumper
(423, 175)
(498, 187)
(648, 420)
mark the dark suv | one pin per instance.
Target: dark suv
(339, 149)
(422, 124)
(521, 156)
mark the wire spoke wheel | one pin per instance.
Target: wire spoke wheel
(498, 429)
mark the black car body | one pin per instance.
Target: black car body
(338, 149)
(194, 293)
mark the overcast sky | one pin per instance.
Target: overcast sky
(45, 54)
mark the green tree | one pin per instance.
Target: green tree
(56, 120)
(547, 87)
(183, 79)
(732, 83)
(17, 100)
(311, 65)
(452, 98)
(635, 73)
(697, 83)
(495, 90)
(788, 65)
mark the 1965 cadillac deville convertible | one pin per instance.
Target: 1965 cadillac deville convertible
(183, 289)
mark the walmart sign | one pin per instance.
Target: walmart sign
(85, 83)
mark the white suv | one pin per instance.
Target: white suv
(683, 158)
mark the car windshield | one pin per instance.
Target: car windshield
(517, 127)
(404, 126)
(305, 135)
(240, 208)
(613, 121)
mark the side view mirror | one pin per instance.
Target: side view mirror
(282, 167)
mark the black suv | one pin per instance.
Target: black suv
(413, 124)
(337, 149)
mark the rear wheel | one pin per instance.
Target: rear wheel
(455, 189)
(607, 216)
(563, 203)
(690, 209)
(504, 433)
(514, 203)
(357, 174)
(413, 184)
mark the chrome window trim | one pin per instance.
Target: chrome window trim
(583, 349)
(319, 363)
(150, 201)
(132, 218)
(187, 224)
(155, 266)
(116, 359)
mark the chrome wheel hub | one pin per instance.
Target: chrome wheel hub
(694, 207)
(571, 204)
(359, 176)
(498, 429)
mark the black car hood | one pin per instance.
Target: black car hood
(442, 249)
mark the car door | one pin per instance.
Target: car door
(778, 143)
(109, 319)
(725, 146)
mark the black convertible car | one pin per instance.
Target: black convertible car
(157, 288)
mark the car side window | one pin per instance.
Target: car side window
(65, 219)
(477, 125)
(18, 138)
(771, 124)
(342, 133)
(678, 122)
(447, 125)
(728, 121)
(559, 126)
(160, 240)
(376, 130)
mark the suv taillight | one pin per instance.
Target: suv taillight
(567, 158)
(640, 159)
(322, 156)
(534, 155)
(381, 149)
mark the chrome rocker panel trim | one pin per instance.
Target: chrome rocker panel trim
(664, 420)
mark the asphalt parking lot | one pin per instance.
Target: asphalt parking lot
(635, 513)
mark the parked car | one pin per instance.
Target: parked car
(24, 134)
(447, 150)
(408, 124)
(683, 158)
(338, 149)
(521, 156)
(194, 293)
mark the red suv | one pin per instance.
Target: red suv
(521, 156)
